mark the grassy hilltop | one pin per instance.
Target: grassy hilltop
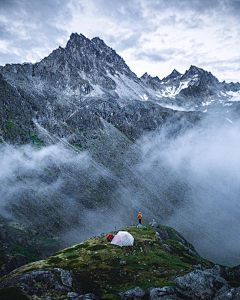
(157, 257)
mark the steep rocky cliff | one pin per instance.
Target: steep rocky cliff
(75, 87)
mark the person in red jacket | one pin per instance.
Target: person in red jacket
(140, 218)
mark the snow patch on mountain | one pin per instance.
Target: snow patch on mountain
(171, 91)
(209, 102)
(176, 107)
(235, 96)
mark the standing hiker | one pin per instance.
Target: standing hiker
(140, 218)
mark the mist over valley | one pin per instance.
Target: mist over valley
(86, 145)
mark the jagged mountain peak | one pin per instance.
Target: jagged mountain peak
(173, 75)
(96, 48)
(194, 71)
(195, 68)
(145, 75)
(77, 39)
(98, 41)
(150, 81)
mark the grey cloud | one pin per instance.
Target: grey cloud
(38, 10)
(203, 163)
(232, 7)
(162, 56)
(120, 10)
(151, 57)
(221, 66)
(125, 43)
(4, 34)
(219, 62)
(32, 26)
(191, 23)
(128, 14)
(199, 6)
(8, 58)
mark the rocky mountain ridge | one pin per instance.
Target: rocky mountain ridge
(160, 265)
(90, 67)
(57, 94)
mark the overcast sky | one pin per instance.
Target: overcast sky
(153, 36)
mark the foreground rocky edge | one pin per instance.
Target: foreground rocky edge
(160, 265)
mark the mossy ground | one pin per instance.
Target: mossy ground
(96, 263)
(11, 293)
(31, 252)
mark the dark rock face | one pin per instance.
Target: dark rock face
(199, 285)
(165, 293)
(135, 294)
(152, 82)
(202, 84)
(42, 282)
(74, 87)
(89, 296)
(47, 277)
(173, 75)
(227, 293)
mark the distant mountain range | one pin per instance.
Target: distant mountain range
(74, 87)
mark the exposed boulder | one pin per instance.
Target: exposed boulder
(134, 294)
(41, 281)
(199, 285)
(227, 293)
(89, 296)
(165, 293)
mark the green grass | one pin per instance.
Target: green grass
(29, 252)
(171, 232)
(95, 263)
(19, 231)
(36, 141)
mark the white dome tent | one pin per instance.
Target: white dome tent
(123, 238)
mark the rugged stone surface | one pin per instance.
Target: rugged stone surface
(164, 293)
(199, 285)
(89, 296)
(48, 278)
(134, 294)
(227, 293)
(70, 89)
